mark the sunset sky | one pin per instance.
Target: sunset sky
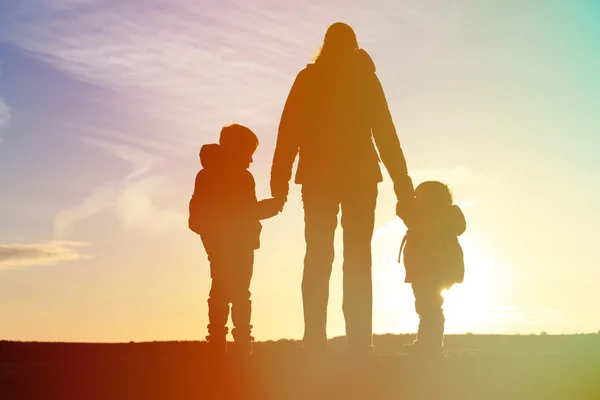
(104, 105)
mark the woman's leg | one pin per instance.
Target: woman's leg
(321, 206)
(358, 222)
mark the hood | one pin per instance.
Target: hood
(210, 155)
(364, 60)
(360, 60)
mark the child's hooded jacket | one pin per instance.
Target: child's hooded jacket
(432, 252)
(223, 208)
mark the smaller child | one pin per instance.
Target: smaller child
(225, 213)
(433, 259)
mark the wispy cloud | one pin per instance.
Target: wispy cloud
(23, 255)
(137, 209)
(197, 65)
(186, 68)
(141, 160)
(99, 200)
(5, 113)
(133, 198)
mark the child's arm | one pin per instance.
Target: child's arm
(458, 221)
(268, 208)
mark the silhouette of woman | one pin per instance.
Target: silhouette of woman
(335, 109)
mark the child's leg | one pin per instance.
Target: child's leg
(241, 305)
(428, 304)
(218, 301)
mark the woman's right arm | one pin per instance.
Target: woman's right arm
(390, 151)
(287, 145)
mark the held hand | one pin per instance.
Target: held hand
(280, 191)
(279, 202)
(269, 208)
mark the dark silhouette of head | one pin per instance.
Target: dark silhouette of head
(339, 42)
(433, 194)
(238, 144)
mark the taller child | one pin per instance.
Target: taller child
(225, 213)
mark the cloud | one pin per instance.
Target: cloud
(100, 199)
(133, 199)
(137, 209)
(142, 161)
(198, 65)
(187, 68)
(393, 228)
(187, 65)
(24, 255)
(5, 113)
(183, 69)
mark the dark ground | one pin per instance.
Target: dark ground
(476, 367)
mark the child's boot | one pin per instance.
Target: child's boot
(242, 342)
(218, 313)
(241, 312)
(217, 340)
(430, 336)
(424, 348)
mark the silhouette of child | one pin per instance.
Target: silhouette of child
(225, 213)
(433, 260)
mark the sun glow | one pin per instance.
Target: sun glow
(468, 307)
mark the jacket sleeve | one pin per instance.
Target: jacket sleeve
(388, 144)
(287, 145)
(243, 225)
(248, 203)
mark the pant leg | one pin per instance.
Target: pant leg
(321, 207)
(358, 221)
(428, 304)
(241, 305)
(218, 300)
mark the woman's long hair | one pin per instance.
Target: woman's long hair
(339, 42)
